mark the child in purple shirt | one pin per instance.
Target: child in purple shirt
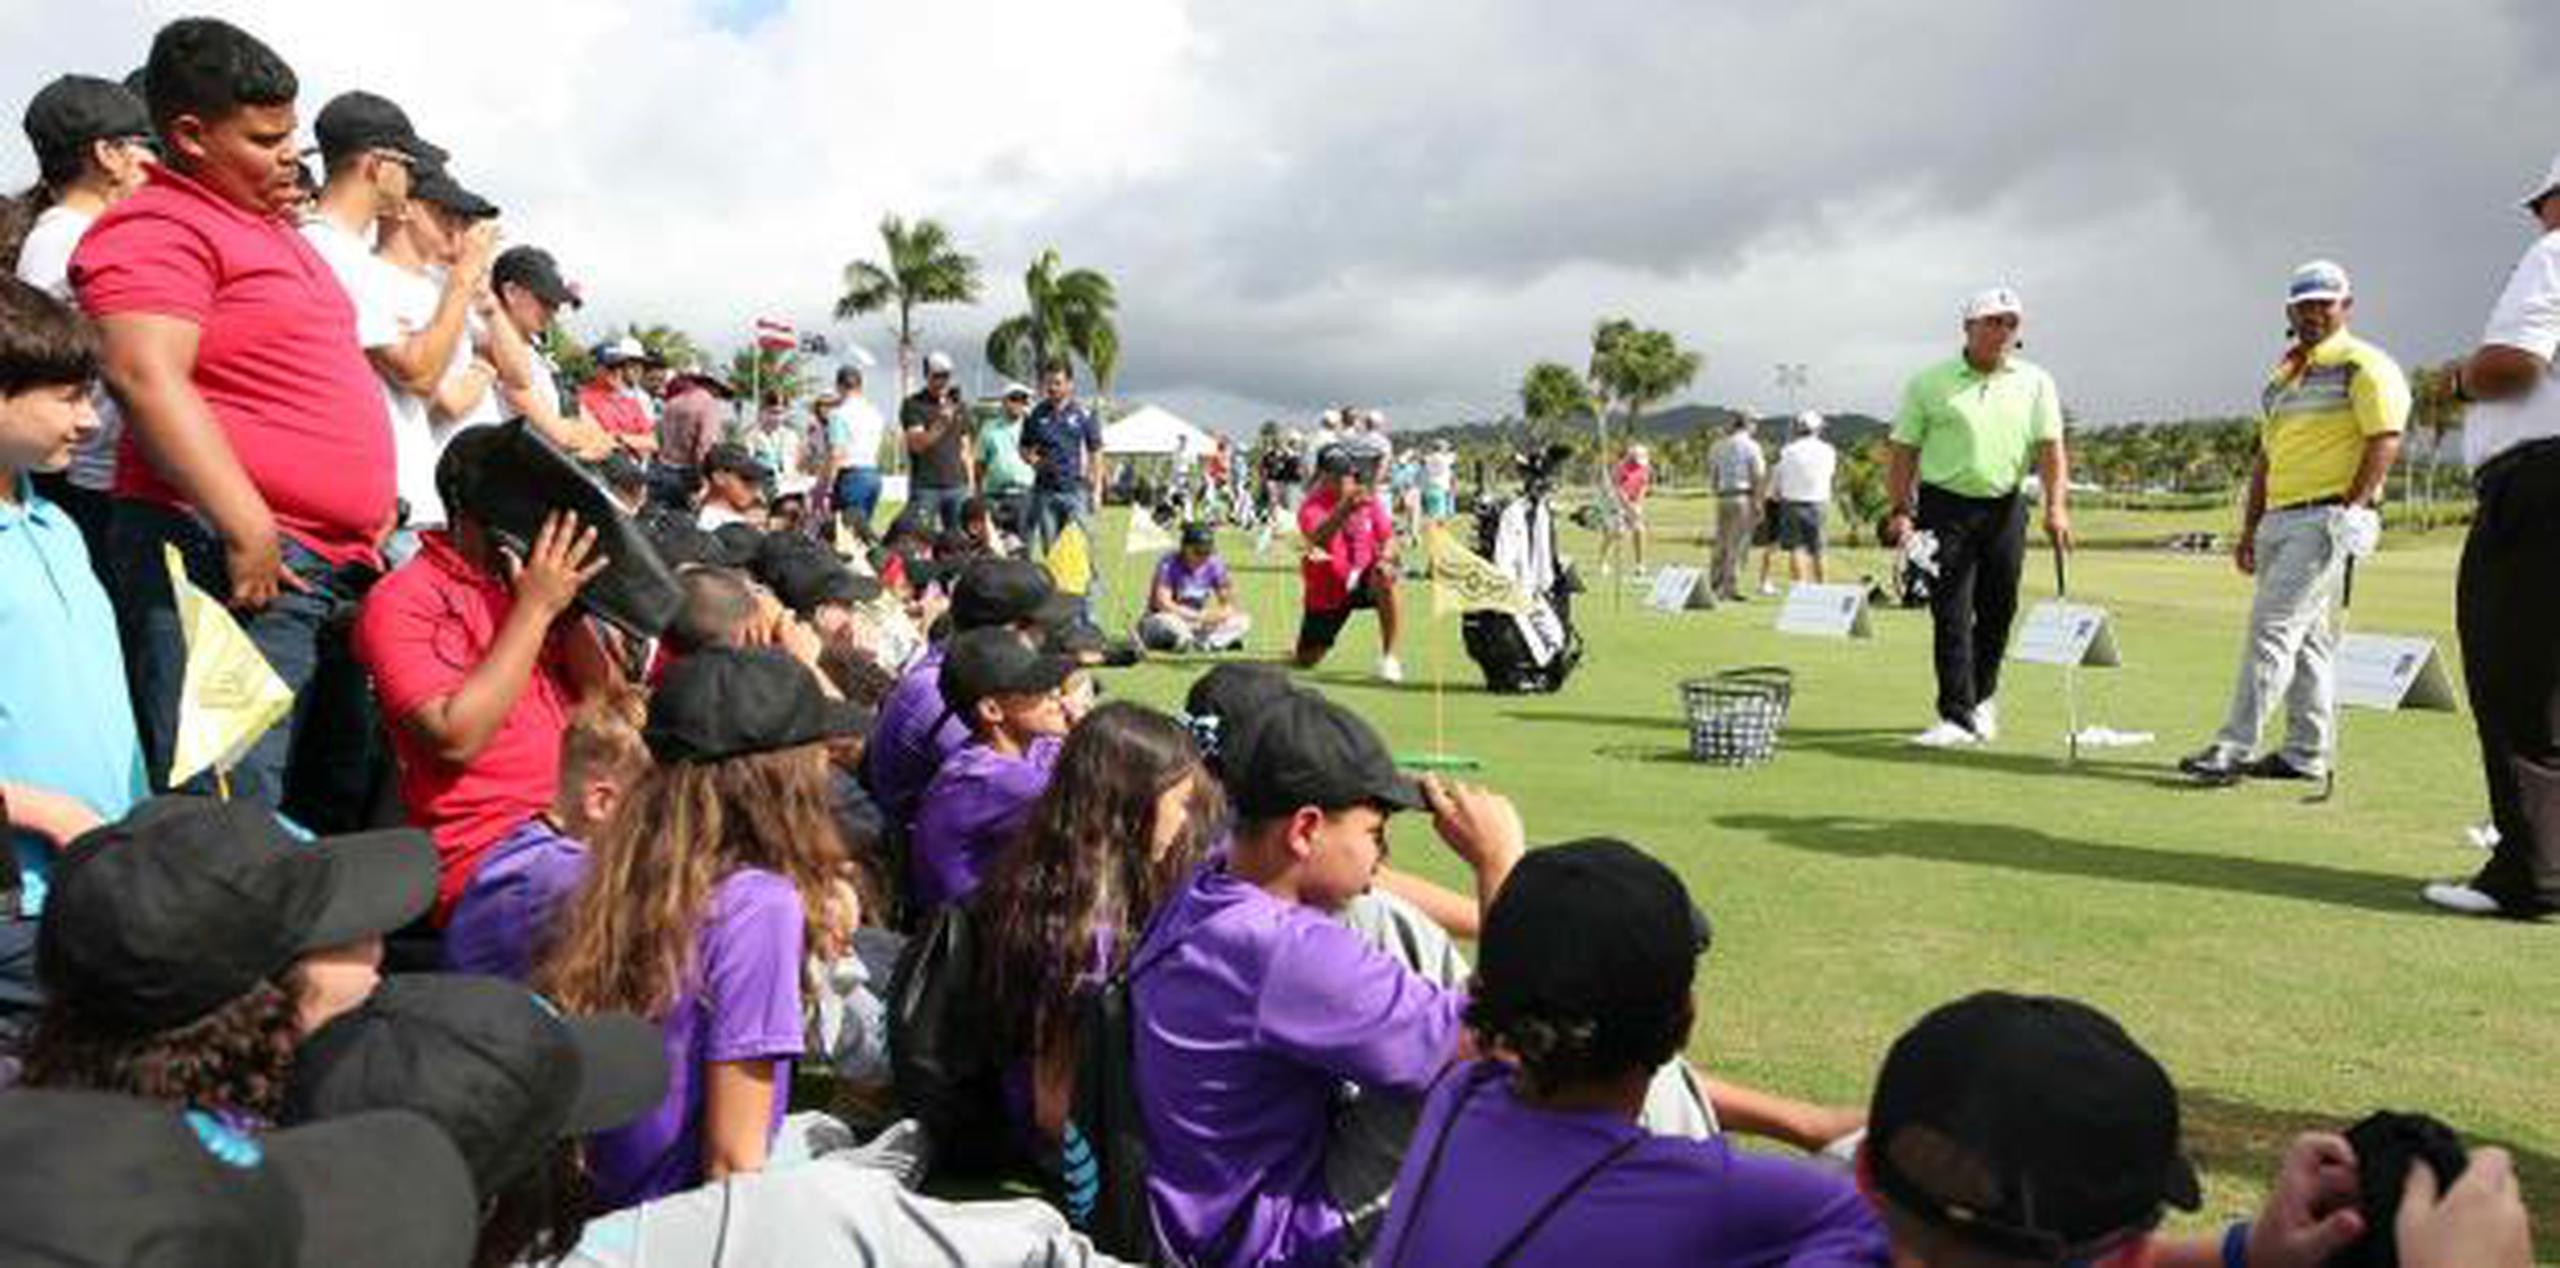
(506, 914)
(1007, 693)
(1191, 604)
(1586, 967)
(707, 897)
(1252, 1007)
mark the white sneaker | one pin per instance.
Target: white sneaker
(1986, 720)
(1390, 669)
(1768, 589)
(2458, 897)
(1946, 735)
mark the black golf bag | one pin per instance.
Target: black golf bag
(1536, 652)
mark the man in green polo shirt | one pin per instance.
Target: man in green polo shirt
(1004, 479)
(1961, 445)
(2332, 412)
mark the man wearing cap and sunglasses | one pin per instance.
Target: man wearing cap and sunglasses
(940, 465)
(2509, 627)
(2333, 412)
(1968, 429)
(529, 291)
(611, 398)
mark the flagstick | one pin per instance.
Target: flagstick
(222, 783)
(1439, 684)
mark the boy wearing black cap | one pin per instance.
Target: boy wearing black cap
(1007, 693)
(1191, 604)
(1252, 1006)
(733, 487)
(477, 660)
(92, 139)
(187, 945)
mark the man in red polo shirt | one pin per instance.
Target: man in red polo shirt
(476, 667)
(257, 440)
(1350, 561)
(613, 398)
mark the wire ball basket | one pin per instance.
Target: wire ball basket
(1735, 714)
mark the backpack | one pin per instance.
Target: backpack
(942, 1056)
(1102, 1164)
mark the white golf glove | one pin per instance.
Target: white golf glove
(2360, 531)
(1920, 550)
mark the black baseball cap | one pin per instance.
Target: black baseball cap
(436, 186)
(1224, 699)
(1338, 460)
(996, 661)
(96, 1178)
(724, 702)
(732, 457)
(2032, 1126)
(739, 544)
(354, 122)
(1006, 591)
(496, 1066)
(1199, 534)
(803, 581)
(72, 112)
(1589, 929)
(533, 269)
(186, 903)
(1309, 751)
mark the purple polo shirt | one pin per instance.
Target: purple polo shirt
(971, 811)
(1191, 586)
(1664, 1203)
(914, 734)
(740, 1002)
(1249, 1012)
(507, 911)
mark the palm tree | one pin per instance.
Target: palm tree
(924, 268)
(776, 372)
(668, 344)
(1636, 367)
(1069, 319)
(1551, 393)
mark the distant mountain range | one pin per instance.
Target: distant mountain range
(1673, 423)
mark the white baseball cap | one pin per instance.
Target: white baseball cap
(2550, 182)
(937, 363)
(1995, 302)
(1013, 391)
(1810, 422)
(2318, 280)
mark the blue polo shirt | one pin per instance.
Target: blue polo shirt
(65, 721)
(1061, 435)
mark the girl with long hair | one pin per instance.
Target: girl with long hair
(717, 883)
(1120, 826)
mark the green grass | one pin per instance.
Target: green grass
(2272, 953)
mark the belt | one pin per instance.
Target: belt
(2312, 504)
(2512, 459)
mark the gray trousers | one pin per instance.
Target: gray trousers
(1735, 516)
(1370, 1131)
(2291, 650)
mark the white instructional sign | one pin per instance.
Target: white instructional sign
(1826, 611)
(1679, 589)
(2381, 671)
(2061, 633)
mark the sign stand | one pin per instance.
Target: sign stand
(1680, 590)
(1836, 610)
(2390, 673)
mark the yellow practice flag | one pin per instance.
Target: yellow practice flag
(1070, 560)
(1146, 537)
(1464, 581)
(230, 696)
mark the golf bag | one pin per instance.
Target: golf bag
(1537, 651)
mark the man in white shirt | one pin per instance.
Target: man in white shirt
(446, 237)
(92, 139)
(2510, 628)
(855, 428)
(1735, 470)
(370, 157)
(529, 292)
(1800, 486)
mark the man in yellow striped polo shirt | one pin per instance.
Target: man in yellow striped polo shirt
(2332, 414)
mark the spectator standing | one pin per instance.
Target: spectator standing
(1735, 470)
(258, 442)
(1440, 481)
(1800, 486)
(530, 292)
(1063, 441)
(940, 463)
(439, 238)
(854, 430)
(370, 159)
(2332, 413)
(1962, 442)
(1632, 482)
(695, 418)
(611, 399)
(92, 139)
(2509, 627)
(1005, 477)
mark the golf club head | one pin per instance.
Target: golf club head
(2328, 788)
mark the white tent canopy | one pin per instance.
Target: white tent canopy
(1152, 429)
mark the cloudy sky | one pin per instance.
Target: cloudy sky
(1405, 202)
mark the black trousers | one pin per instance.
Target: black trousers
(2507, 607)
(1982, 544)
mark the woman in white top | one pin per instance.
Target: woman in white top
(92, 140)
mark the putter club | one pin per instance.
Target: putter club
(2070, 673)
(2329, 777)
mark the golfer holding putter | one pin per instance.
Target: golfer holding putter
(1959, 454)
(2331, 417)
